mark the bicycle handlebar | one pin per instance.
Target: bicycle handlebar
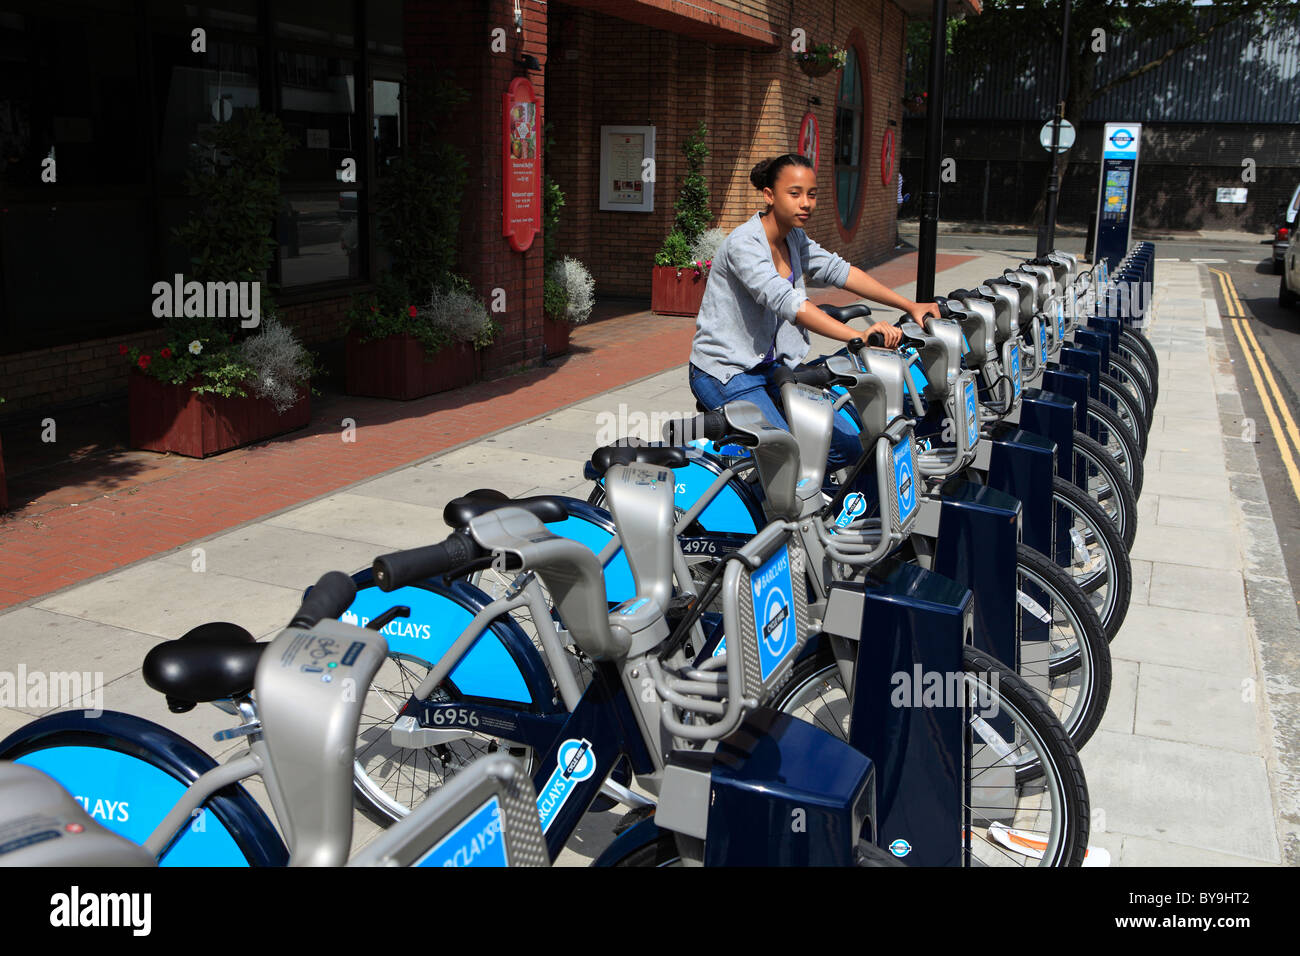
(710, 425)
(329, 598)
(401, 568)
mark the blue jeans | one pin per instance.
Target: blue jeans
(755, 386)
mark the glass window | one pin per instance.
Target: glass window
(70, 91)
(196, 91)
(317, 102)
(387, 123)
(319, 21)
(319, 239)
(848, 140)
(384, 26)
(238, 15)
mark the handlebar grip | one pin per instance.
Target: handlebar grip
(781, 375)
(401, 568)
(710, 425)
(876, 339)
(329, 597)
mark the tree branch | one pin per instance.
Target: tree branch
(1173, 51)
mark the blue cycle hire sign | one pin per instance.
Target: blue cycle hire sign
(972, 416)
(1015, 370)
(478, 841)
(576, 762)
(772, 593)
(904, 480)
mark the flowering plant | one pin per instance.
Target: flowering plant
(823, 53)
(452, 313)
(270, 363)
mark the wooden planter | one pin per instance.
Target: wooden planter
(398, 368)
(173, 418)
(671, 294)
(555, 336)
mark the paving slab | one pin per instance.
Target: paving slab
(166, 600)
(1201, 590)
(1184, 638)
(1190, 546)
(275, 555)
(1222, 712)
(1196, 796)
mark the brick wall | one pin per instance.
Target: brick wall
(457, 37)
(605, 71)
(67, 374)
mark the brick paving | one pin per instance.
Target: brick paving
(80, 514)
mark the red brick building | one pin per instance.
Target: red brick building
(78, 257)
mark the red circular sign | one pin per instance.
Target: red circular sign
(887, 158)
(809, 142)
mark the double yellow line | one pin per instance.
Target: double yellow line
(1260, 372)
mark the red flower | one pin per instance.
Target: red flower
(122, 350)
(144, 361)
(410, 310)
(165, 353)
(373, 309)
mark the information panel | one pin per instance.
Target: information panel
(1115, 190)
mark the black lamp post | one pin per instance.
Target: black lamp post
(928, 241)
(1047, 235)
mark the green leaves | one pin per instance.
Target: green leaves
(692, 206)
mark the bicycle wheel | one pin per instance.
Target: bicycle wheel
(1098, 562)
(664, 852)
(1138, 342)
(128, 773)
(1068, 659)
(1104, 483)
(1140, 363)
(1001, 772)
(1117, 442)
(1121, 401)
(389, 781)
(1122, 370)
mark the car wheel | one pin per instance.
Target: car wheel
(1285, 296)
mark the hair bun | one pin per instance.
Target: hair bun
(758, 175)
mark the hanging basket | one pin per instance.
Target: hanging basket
(814, 68)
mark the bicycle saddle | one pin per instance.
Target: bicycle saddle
(663, 456)
(461, 511)
(211, 662)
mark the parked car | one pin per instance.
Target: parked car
(1285, 230)
(1288, 291)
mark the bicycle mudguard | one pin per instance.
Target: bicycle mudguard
(736, 508)
(128, 773)
(505, 668)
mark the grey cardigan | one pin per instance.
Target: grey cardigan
(747, 300)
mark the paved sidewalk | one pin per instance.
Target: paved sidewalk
(1185, 770)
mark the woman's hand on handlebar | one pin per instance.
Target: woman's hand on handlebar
(891, 335)
(922, 311)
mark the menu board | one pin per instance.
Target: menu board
(626, 178)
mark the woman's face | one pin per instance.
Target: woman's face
(793, 197)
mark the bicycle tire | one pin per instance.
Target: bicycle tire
(1132, 379)
(1111, 569)
(1142, 364)
(1139, 342)
(1119, 445)
(1126, 407)
(664, 852)
(818, 677)
(1106, 485)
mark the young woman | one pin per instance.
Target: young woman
(755, 312)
